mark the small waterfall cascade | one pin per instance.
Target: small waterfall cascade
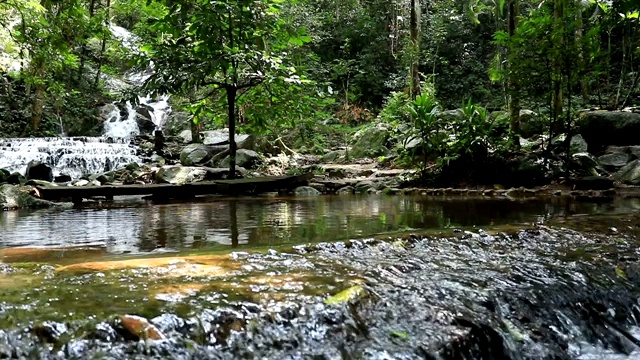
(75, 157)
(150, 114)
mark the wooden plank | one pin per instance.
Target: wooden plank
(171, 191)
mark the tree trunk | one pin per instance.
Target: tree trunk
(231, 107)
(414, 27)
(37, 107)
(102, 50)
(558, 16)
(582, 53)
(514, 88)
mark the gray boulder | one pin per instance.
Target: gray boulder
(372, 142)
(180, 174)
(578, 144)
(195, 154)
(16, 179)
(221, 137)
(13, 197)
(530, 124)
(185, 136)
(629, 174)
(603, 128)
(333, 156)
(306, 191)
(39, 171)
(613, 161)
(244, 158)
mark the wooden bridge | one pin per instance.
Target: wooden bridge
(172, 191)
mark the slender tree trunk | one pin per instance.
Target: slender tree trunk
(102, 50)
(558, 16)
(231, 107)
(582, 53)
(514, 88)
(37, 107)
(83, 51)
(414, 28)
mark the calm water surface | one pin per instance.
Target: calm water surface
(132, 226)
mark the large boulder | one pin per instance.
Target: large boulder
(578, 144)
(629, 174)
(602, 128)
(13, 197)
(593, 183)
(371, 142)
(39, 171)
(144, 119)
(244, 158)
(177, 122)
(613, 161)
(180, 174)
(195, 154)
(530, 124)
(584, 164)
(108, 113)
(185, 136)
(221, 137)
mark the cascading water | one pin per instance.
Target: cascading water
(75, 157)
(80, 156)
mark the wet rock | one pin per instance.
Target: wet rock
(347, 190)
(221, 137)
(593, 183)
(4, 175)
(185, 136)
(195, 154)
(244, 158)
(62, 178)
(530, 124)
(613, 161)
(43, 183)
(364, 187)
(584, 163)
(333, 156)
(137, 327)
(144, 119)
(132, 166)
(578, 144)
(39, 171)
(603, 128)
(629, 174)
(306, 191)
(80, 182)
(347, 295)
(50, 332)
(104, 332)
(168, 323)
(320, 187)
(108, 112)
(12, 198)
(180, 174)
(371, 142)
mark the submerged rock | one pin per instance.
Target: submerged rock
(140, 328)
(306, 191)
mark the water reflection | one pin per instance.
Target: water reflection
(138, 226)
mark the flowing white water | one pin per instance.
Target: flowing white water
(71, 156)
(156, 110)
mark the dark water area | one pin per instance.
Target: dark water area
(135, 226)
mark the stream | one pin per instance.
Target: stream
(329, 277)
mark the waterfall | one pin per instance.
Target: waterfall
(76, 157)
(150, 114)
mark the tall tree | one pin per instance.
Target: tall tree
(231, 46)
(414, 30)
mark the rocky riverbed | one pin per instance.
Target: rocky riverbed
(544, 292)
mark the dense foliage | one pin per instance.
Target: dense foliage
(274, 65)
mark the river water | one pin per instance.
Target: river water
(437, 278)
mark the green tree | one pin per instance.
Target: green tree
(228, 45)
